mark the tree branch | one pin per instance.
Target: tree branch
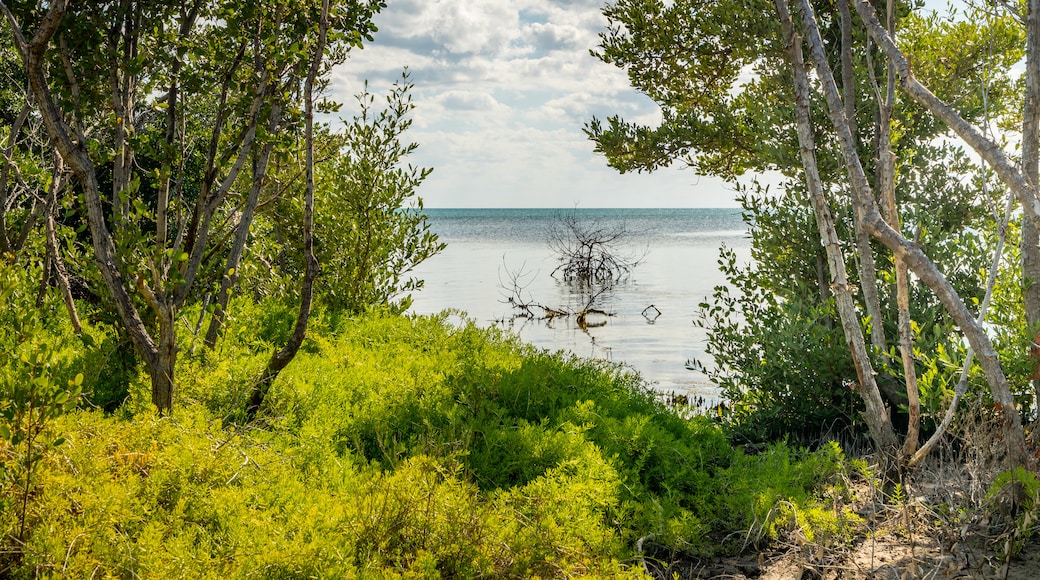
(989, 150)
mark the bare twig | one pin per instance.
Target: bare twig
(590, 251)
(525, 306)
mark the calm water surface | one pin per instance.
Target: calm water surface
(679, 270)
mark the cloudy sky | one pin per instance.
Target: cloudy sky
(503, 89)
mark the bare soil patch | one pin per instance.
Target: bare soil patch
(942, 523)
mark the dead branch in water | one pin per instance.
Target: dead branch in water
(524, 306)
(590, 252)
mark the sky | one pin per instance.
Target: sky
(502, 91)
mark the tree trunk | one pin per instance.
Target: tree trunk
(886, 184)
(1030, 249)
(77, 158)
(60, 272)
(279, 360)
(875, 415)
(917, 260)
(867, 268)
(962, 384)
(162, 369)
(1031, 167)
(208, 203)
(5, 170)
(227, 282)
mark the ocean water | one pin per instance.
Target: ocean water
(488, 248)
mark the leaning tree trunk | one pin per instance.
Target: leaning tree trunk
(279, 360)
(875, 415)
(5, 170)
(916, 259)
(61, 274)
(76, 156)
(227, 282)
(886, 184)
(962, 384)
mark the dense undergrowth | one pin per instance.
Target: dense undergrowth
(393, 446)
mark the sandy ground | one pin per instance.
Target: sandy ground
(886, 555)
(947, 526)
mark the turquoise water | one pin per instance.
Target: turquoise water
(488, 248)
(686, 226)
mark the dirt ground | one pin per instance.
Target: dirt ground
(887, 553)
(947, 525)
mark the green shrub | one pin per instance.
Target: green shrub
(397, 447)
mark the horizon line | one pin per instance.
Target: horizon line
(580, 207)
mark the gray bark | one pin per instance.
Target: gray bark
(962, 384)
(875, 415)
(54, 251)
(886, 185)
(281, 359)
(5, 174)
(916, 259)
(867, 268)
(227, 281)
(210, 200)
(79, 161)
(158, 353)
(1030, 244)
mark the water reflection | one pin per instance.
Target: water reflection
(647, 320)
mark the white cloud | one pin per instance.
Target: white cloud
(503, 89)
(468, 101)
(547, 36)
(473, 26)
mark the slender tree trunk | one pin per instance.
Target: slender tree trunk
(62, 274)
(5, 170)
(906, 335)
(227, 281)
(867, 268)
(1030, 244)
(120, 211)
(875, 415)
(162, 374)
(199, 236)
(122, 44)
(279, 360)
(848, 73)
(35, 213)
(886, 184)
(54, 252)
(962, 384)
(1030, 250)
(77, 159)
(917, 260)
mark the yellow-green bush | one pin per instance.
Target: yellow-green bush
(397, 447)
